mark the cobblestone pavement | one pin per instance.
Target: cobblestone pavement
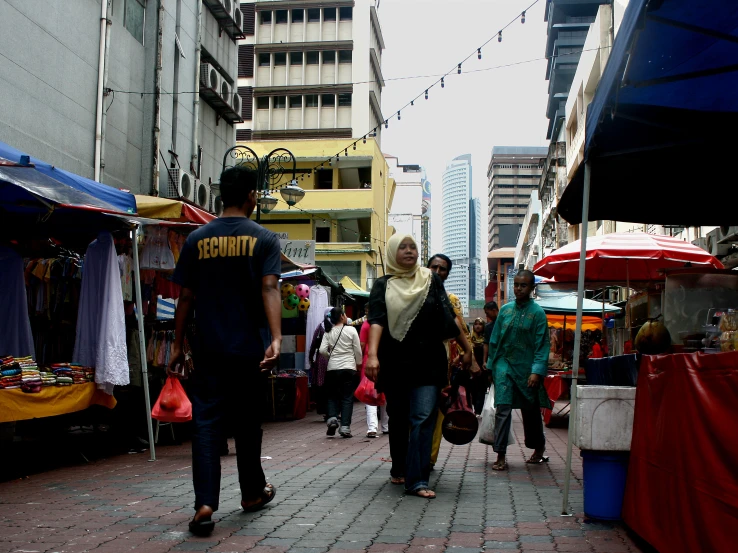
(334, 495)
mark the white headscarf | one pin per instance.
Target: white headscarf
(406, 291)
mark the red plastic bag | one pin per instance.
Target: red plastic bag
(367, 393)
(173, 405)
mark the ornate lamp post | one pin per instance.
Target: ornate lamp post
(269, 169)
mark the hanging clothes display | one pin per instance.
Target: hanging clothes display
(101, 326)
(318, 304)
(125, 264)
(15, 326)
(156, 252)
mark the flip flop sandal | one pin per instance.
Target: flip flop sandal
(537, 460)
(397, 480)
(499, 466)
(202, 528)
(418, 493)
(267, 494)
(371, 434)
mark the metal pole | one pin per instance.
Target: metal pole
(142, 342)
(577, 338)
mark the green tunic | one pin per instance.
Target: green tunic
(519, 346)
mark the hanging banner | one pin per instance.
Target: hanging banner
(299, 251)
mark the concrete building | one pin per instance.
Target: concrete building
(513, 173)
(461, 231)
(312, 70)
(79, 69)
(406, 216)
(344, 215)
(529, 246)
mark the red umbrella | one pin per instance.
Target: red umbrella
(622, 257)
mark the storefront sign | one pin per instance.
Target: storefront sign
(300, 251)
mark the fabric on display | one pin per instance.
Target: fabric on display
(16, 338)
(125, 263)
(51, 401)
(318, 305)
(156, 252)
(101, 326)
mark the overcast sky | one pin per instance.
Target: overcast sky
(475, 111)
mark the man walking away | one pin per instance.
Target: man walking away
(230, 267)
(518, 359)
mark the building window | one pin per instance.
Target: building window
(323, 234)
(344, 56)
(328, 100)
(346, 14)
(280, 102)
(344, 100)
(280, 16)
(324, 179)
(135, 18)
(298, 16)
(313, 58)
(329, 14)
(311, 101)
(264, 60)
(329, 57)
(280, 58)
(262, 102)
(314, 15)
(265, 18)
(296, 58)
(295, 101)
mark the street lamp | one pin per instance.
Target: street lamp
(269, 169)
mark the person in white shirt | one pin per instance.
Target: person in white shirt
(341, 346)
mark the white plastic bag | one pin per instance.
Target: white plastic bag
(487, 426)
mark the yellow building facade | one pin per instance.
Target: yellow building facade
(345, 208)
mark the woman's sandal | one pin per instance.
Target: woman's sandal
(397, 480)
(499, 466)
(267, 494)
(536, 460)
(423, 493)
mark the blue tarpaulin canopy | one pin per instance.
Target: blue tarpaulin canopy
(123, 202)
(657, 132)
(564, 302)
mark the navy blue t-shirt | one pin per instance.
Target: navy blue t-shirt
(223, 263)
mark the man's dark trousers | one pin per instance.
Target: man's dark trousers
(226, 391)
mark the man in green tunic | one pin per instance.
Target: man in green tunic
(518, 359)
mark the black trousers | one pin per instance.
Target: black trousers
(340, 387)
(226, 394)
(532, 426)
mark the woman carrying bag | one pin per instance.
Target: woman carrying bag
(410, 318)
(342, 348)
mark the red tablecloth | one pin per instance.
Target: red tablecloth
(682, 488)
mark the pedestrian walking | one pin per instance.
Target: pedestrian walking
(230, 267)
(480, 382)
(376, 416)
(491, 311)
(319, 368)
(518, 357)
(340, 345)
(410, 318)
(442, 265)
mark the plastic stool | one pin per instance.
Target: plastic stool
(159, 424)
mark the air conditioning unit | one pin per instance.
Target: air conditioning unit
(202, 195)
(728, 234)
(713, 244)
(225, 91)
(236, 104)
(185, 184)
(228, 6)
(216, 205)
(209, 77)
(238, 17)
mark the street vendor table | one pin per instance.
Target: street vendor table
(16, 405)
(682, 488)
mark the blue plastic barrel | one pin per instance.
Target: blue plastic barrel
(604, 483)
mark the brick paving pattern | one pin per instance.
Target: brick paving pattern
(334, 495)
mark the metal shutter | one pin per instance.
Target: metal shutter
(249, 18)
(247, 102)
(246, 60)
(243, 135)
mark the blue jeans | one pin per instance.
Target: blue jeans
(341, 385)
(412, 419)
(226, 394)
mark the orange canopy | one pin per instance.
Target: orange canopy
(588, 322)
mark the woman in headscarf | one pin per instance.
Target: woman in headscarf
(480, 380)
(319, 368)
(410, 318)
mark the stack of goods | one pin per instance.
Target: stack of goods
(48, 378)
(63, 374)
(31, 382)
(72, 373)
(82, 375)
(10, 373)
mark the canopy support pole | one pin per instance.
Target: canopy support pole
(142, 342)
(577, 338)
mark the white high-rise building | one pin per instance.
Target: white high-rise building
(312, 70)
(462, 231)
(406, 215)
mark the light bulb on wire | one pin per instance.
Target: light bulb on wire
(426, 94)
(479, 53)
(443, 83)
(386, 124)
(522, 17)
(398, 116)
(499, 36)
(458, 69)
